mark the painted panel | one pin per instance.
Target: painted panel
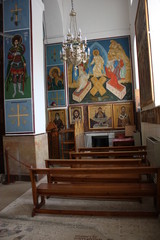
(58, 117)
(55, 76)
(18, 116)
(17, 65)
(100, 116)
(75, 114)
(16, 14)
(56, 98)
(123, 114)
(107, 76)
(53, 54)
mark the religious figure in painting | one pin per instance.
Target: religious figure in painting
(117, 54)
(55, 79)
(82, 78)
(16, 70)
(113, 72)
(123, 118)
(98, 62)
(58, 121)
(100, 119)
(100, 114)
(76, 115)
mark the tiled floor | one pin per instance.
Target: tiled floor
(16, 223)
(10, 192)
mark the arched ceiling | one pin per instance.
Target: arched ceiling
(96, 18)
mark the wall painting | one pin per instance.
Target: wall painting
(123, 114)
(107, 76)
(100, 116)
(55, 76)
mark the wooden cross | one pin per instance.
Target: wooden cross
(18, 115)
(98, 86)
(15, 11)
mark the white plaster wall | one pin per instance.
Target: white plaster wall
(38, 67)
(53, 18)
(149, 130)
(96, 18)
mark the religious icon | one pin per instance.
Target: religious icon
(58, 117)
(123, 114)
(16, 69)
(75, 114)
(100, 116)
(55, 78)
(106, 76)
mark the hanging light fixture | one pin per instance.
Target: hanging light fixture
(74, 49)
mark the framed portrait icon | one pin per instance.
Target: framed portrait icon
(75, 114)
(100, 116)
(123, 114)
(58, 117)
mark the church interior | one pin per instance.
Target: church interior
(79, 119)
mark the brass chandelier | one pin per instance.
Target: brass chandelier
(74, 49)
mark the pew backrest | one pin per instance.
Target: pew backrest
(117, 154)
(95, 163)
(113, 148)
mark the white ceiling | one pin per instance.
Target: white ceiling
(96, 18)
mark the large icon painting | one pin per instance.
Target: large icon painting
(107, 75)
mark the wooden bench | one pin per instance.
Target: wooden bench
(111, 154)
(114, 148)
(92, 183)
(97, 163)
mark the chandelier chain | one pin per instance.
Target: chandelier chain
(74, 49)
(72, 4)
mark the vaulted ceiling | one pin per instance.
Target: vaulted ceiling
(93, 17)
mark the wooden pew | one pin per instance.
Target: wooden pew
(112, 154)
(91, 183)
(95, 163)
(98, 163)
(112, 148)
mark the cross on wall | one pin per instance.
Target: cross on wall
(58, 98)
(18, 115)
(15, 12)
